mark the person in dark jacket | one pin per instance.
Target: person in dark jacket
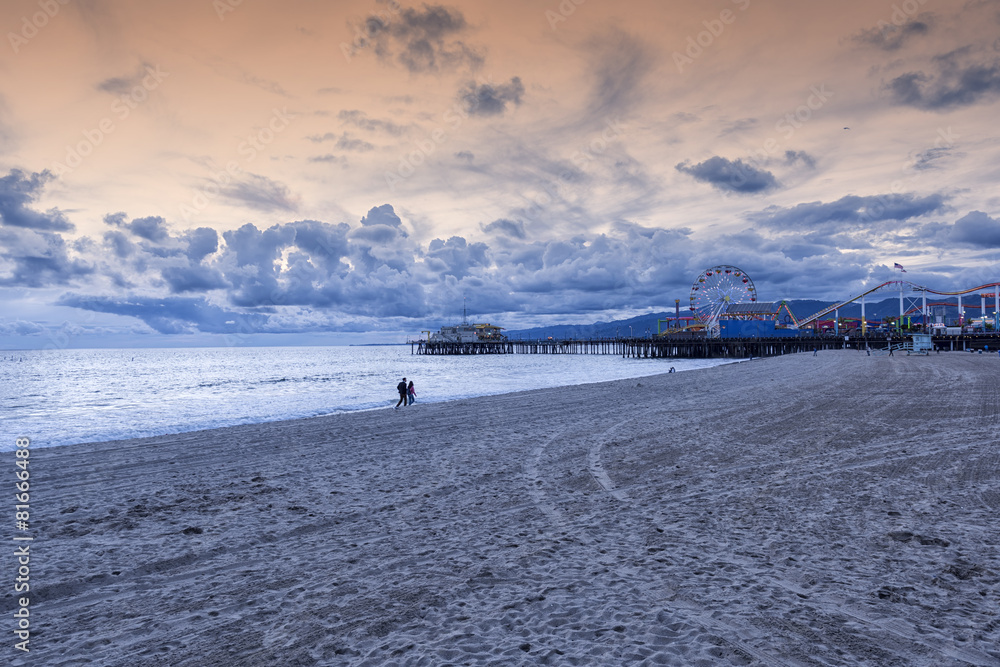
(401, 388)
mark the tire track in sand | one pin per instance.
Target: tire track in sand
(730, 631)
(902, 631)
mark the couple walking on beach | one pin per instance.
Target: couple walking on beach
(407, 395)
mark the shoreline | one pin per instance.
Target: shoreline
(367, 407)
(793, 511)
(343, 413)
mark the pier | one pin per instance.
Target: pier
(694, 347)
(596, 346)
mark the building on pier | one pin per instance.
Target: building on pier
(467, 332)
(757, 320)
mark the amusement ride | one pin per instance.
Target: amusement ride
(718, 292)
(715, 289)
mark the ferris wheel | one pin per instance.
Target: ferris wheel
(716, 288)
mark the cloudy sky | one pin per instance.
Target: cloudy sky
(244, 171)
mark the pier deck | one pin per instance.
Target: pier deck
(695, 347)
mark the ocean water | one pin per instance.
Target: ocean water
(60, 397)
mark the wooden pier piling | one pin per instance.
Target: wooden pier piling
(693, 347)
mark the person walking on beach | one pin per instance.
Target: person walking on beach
(411, 392)
(401, 388)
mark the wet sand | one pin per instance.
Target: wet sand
(830, 510)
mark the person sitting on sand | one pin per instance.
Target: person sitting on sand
(401, 388)
(411, 392)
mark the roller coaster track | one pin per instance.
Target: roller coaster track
(930, 304)
(965, 306)
(913, 287)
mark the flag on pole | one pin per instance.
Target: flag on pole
(899, 266)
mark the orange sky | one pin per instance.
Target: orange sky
(589, 116)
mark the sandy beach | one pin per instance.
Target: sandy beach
(831, 510)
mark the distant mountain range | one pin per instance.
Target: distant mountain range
(643, 325)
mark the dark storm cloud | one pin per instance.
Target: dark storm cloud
(260, 193)
(890, 37)
(201, 242)
(423, 40)
(373, 271)
(382, 215)
(977, 229)
(584, 272)
(799, 251)
(850, 211)
(250, 263)
(171, 315)
(30, 258)
(378, 247)
(119, 244)
(179, 260)
(17, 190)
(956, 79)
(375, 234)
(119, 219)
(489, 100)
(193, 278)
(325, 243)
(312, 275)
(152, 228)
(456, 256)
(511, 228)
(305, 263)
(253, 247)
(730, 175)
(317, 269)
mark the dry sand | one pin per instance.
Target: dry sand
(830, 510)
